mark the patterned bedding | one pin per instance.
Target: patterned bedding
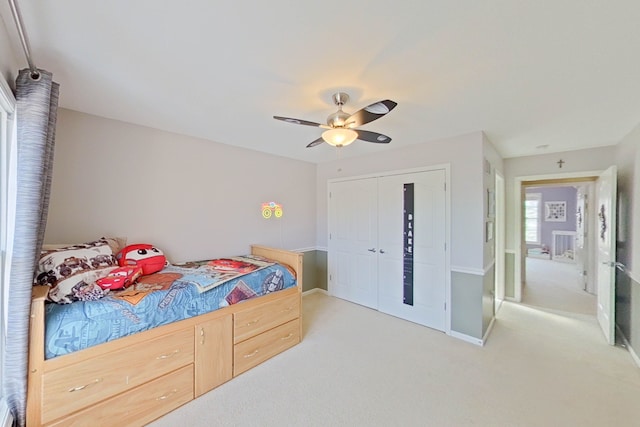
(175, 293)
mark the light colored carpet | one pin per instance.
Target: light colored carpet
(358, 367)
(555, 285)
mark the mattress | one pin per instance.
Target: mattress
(175, 293)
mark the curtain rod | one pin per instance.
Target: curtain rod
(17, 17)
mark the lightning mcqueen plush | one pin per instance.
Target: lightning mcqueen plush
(120, 277)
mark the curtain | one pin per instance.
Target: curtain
(36, 108)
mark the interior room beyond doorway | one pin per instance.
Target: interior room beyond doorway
(556, 236)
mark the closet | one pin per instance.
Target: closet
(387, 244)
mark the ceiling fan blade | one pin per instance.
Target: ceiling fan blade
(370, 113)
(316, 142)
(369, 136)
(298, 121)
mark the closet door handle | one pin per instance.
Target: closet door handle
(371, 249)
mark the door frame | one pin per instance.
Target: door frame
(447, 218)
(519, 243)
(500, 252)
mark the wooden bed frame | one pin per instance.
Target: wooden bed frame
(137, 379)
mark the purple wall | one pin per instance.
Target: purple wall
(556, 194)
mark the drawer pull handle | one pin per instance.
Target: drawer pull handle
(166, 356)
(246, 356)
(82, 387)
(166, 396)
(253, 322)
(287, 337)
(288, 309)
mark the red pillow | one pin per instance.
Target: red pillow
(148, 257)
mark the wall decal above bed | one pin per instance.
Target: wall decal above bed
(271, 208)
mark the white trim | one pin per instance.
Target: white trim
(627, 345)
(309, 249)
(466, 270)
(474, 271)
(518, 190)
(489, 266)
(6, 419)
(447, 255)
(7, 100)
(500, 241)
(632, 276)
(314, 291)
(443, 166)
(538, 198)
(467, 338)
(8, 148)
(489, 329)
(510, 251)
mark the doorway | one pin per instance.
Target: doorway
(603, 217)
(557, 268)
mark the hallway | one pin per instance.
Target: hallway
(553, 285)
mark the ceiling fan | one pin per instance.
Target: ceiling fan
(341, 126)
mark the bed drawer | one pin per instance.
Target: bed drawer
(256, 350)
(74, 387)
(140, 405)
(251, 322)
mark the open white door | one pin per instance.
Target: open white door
(581, 243)
(606, 219)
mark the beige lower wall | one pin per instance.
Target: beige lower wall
(314, 270)
(192, 198)
(467, 304)
(509, 275)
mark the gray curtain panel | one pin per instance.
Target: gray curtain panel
(36, 107)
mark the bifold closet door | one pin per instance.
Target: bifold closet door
(353, 227)
(411, 247)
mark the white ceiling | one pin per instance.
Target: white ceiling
(565, 74)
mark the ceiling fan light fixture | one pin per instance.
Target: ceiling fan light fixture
(339, 137)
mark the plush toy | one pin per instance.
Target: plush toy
(148, 257)
(120, 277)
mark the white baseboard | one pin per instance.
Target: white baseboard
(6, 419)
(309, 249)
(467, 338)
(633, 354)
(486, 334)
(313, 291)
(627, 345)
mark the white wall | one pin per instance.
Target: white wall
(628, 161)
(595, 159)
(9, 64)
(191, 197)
(464, 153)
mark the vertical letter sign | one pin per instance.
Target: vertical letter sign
(408, 245)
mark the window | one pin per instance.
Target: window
(8, 146)
(532, 209)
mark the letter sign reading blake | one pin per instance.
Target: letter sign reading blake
(408, 245)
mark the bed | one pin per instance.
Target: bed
(137, 376)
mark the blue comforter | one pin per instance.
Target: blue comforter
(165, 297)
